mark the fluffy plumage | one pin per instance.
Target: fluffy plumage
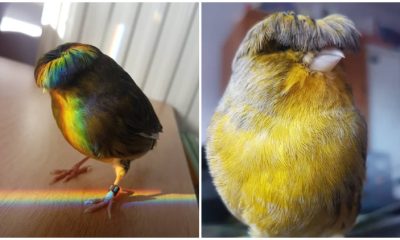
(286, 145)
(97, 106)
(286, 30)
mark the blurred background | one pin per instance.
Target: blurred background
(373, 73)
(156, 43)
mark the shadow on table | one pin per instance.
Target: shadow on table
(128, 199)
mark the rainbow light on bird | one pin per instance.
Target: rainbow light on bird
(57, 65)
(53, 70)
(73, 124)
(18, 198)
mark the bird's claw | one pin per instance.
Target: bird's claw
(68, 174)
(99, 204)
(77, 172)
(58, 171)
(92, 201)
(106, 201)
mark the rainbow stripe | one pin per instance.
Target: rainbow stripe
(55, 67)
(18, 198)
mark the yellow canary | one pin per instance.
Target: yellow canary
(286, 146)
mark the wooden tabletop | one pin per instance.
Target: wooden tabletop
(163, 203)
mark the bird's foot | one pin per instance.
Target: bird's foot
(107, 201)
(67, 175)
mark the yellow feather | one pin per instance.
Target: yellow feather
(280, 165)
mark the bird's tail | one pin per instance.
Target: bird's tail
(58, 66)
(285, 30)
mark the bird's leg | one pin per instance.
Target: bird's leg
(121, 166)
(71, 173)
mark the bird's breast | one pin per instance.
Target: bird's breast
(287, 175)
(70, 115)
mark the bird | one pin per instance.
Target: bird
(286, 145)
(99, 109)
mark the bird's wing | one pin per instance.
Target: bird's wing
(122, 121)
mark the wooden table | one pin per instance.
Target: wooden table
(162, 204)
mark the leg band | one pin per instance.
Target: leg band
(114, 189)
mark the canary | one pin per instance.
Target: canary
(286, 145)
(99, 109)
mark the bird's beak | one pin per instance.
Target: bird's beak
(44, 90)
(326, 60)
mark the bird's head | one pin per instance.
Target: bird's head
(61, 65)
(288, 31)
(289, 47)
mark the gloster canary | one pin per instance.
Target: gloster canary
(286, 146)
(99, 109)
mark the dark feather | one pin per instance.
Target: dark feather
(286, 30)
(119, 119)
(118, 111)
